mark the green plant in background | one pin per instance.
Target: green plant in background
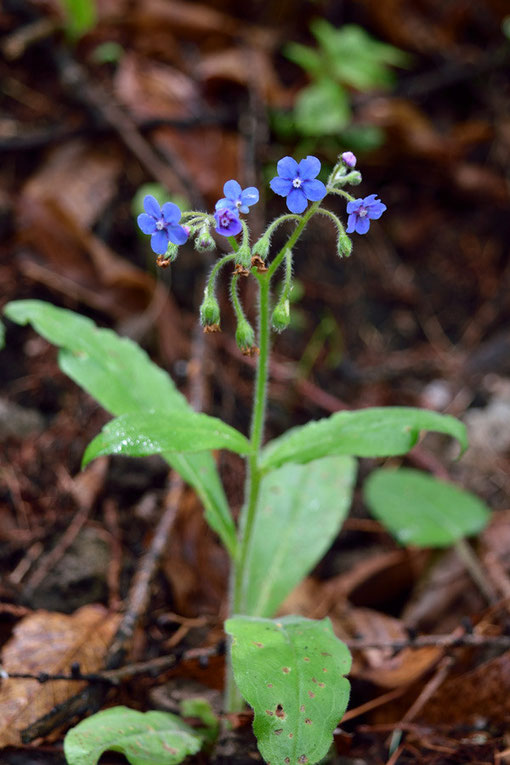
(298, 488)
(344, 59)
(80, 17)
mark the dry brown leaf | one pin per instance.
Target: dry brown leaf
(49, 642)
(250, 67)
(383, 666)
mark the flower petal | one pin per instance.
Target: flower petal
(232, 228)
(296, 201)
(314, 190)
(281, 186)
(159, 242)
(151, 206)
(146, 223)
(249, 196)
(221, 204)
(370, 199)
(287, 168)
(177, 234)
(362, 225)
(309, 168)
(171, 213)
(351, 223)
(354, 205)
(376, 210)
(232, 190)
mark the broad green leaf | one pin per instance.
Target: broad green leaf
(322, 108)
(377, 432)
(122, 378)
(81, 16)
(305, 57)
(138, 434)
(153, 738)
(291, 671)
(300, 511)
(421, 510)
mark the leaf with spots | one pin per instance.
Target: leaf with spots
(292, 672)
(419, 509)
(153, 738)
(301, 510)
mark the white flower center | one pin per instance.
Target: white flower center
(297, 183)
(362, 212)
(160, 224)
(238, 204)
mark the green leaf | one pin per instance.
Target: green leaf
(122, 378)
(418, 509)
(377, 432)
(138, 434)
(322, 108)
(291, 671)
(153, 738)
(81, 16)
(305, 57)
(301, 510)
(2, 335)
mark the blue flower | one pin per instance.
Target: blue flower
(162, 223)
(227, 222)
(297, 182)
(236, 198)
(362, 211)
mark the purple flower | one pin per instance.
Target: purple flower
(362, 211)
(350, 159)
(227, 222)
(236, 198)
(162, 223)
(297, 182)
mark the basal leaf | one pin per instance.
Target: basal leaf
(153, 738)
(421, 510)
(301, 510)
(122, 378)
(291, 671)
(377, 432)
(322, 108)
(138, 434)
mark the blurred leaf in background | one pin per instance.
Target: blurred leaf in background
(344, 59)
(80, 17)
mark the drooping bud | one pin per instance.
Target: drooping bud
(243, 256)
(209, 311)
(353, 178)
(261, 247)
(204, 241)
(245, 336)
(343, 243)
(280, 319)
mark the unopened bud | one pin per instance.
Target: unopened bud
(261, 247)
(243, 256)
(209, 311)
(171, 252)
(343, 244)
(353, 178)
(245, 336)
(349, 158)
(280, 319)
(204, 241)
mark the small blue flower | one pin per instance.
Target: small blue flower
(350, 159)
(297, 182)
(162, 223)
(227, 222)
(236, 198)
(362, 211)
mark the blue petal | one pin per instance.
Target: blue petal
(249, 196)
(287, 168)
(370, 199)
(177, 234)
(281, 186)
(159, 242)
(309, 168)
(314, 190)
(146, 223)
(232, 190)
(222, 203)
(351, 223)
(354, 205)
(232, 229)
(376, 210)
(151, 206)
(296, 201)
(362, 225)
(171, 213)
